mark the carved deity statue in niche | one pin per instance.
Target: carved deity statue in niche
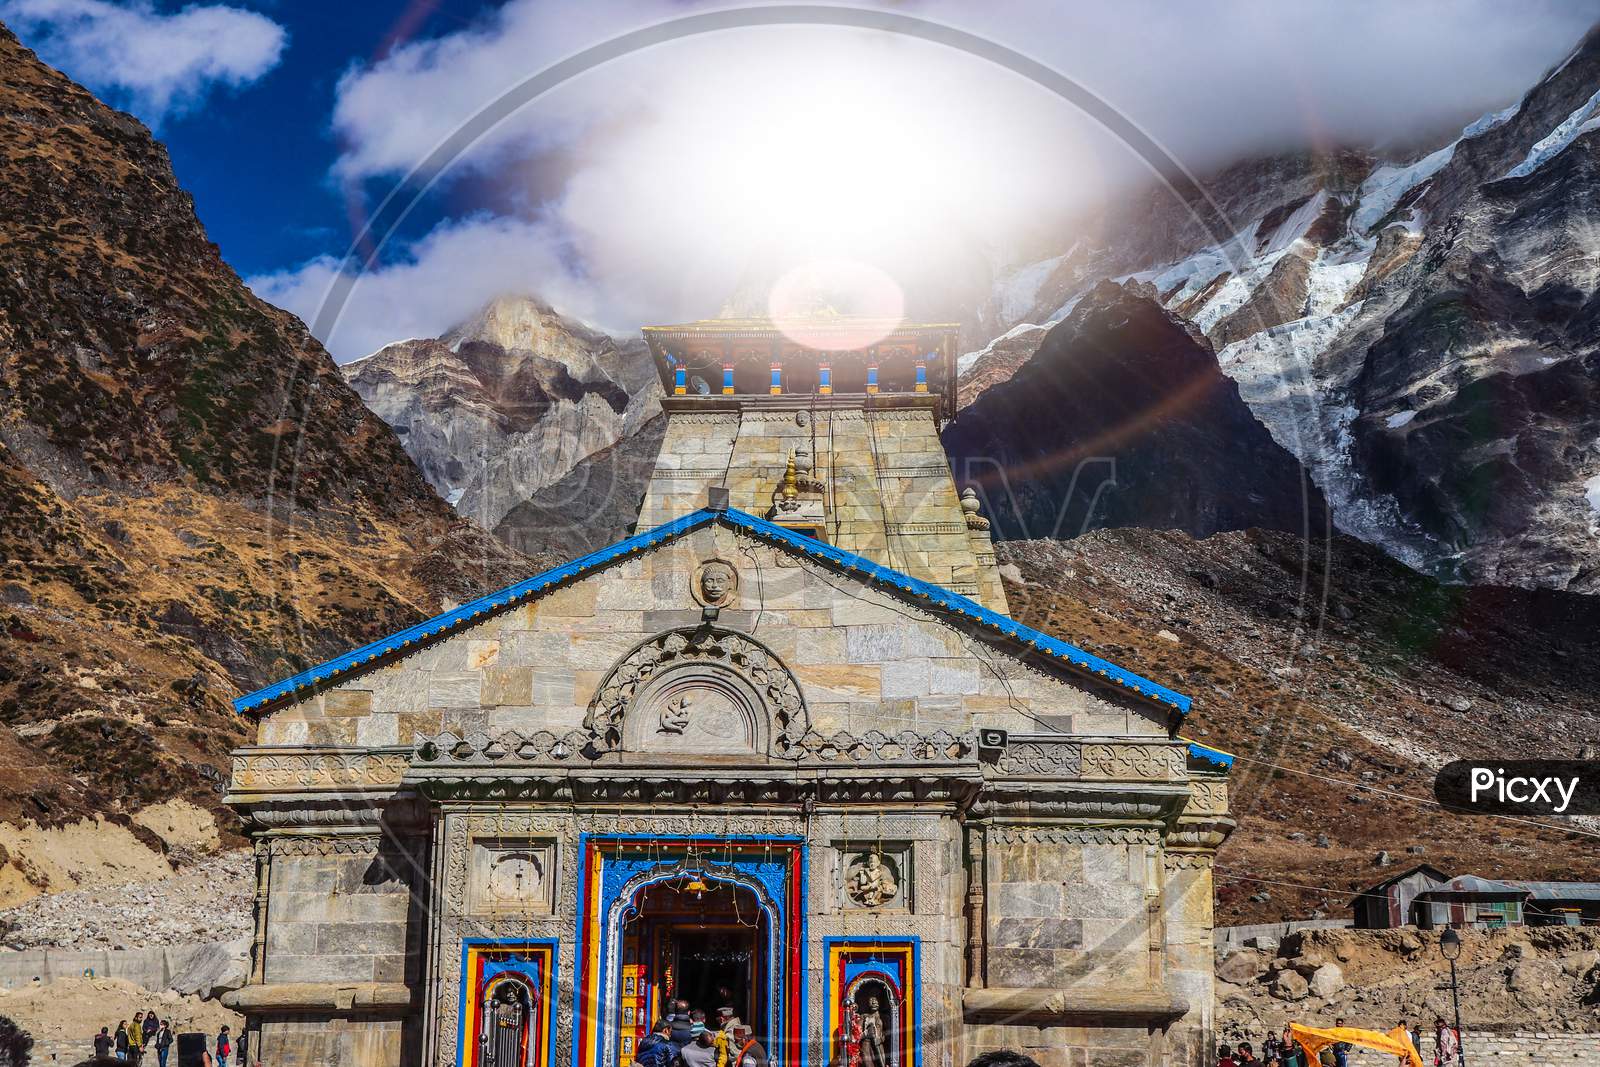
(716, 583)
(870, 882)
(874, 1046)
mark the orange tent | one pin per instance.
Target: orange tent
(1315, 1038)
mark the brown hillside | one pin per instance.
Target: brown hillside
(1356, 674)
(191, 499)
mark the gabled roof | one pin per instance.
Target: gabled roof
(913, 589)
(1472, 885)
(1434, 874)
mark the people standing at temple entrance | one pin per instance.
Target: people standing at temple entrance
(1290, 1054)
(681, 1022)
(224, 1047)
(747, 1051)
(121, 1040)
(702, 1051)
(723, 1042)
(657, 1049)
(103, 1044)
(1446, 1043)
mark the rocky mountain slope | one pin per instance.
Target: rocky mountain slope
(1123, 418)
(506, 404)
(1420, 333)
(1343, 680)
(192, 500)
(1541, 979)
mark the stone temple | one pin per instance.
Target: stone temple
(783, 750)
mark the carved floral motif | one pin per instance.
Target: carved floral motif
(311, 769)
(708, 646)
(1054, 758)
(1151, 762)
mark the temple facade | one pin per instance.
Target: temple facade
(782, 751)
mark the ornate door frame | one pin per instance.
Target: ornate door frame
(613, 868)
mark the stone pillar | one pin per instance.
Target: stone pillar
(975, 915)
(1187, 907)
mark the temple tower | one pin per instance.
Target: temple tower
(828, 426)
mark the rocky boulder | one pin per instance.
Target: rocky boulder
(215, 969)
(1290, 986)
(1326, 980)
(1241, 966)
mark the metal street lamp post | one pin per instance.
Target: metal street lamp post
(1450, 946)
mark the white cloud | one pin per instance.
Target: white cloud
(663, 181)
(435, 284)
(157, 64)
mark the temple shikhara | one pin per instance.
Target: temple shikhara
(782, 751)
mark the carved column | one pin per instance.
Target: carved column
(976, 867)
(258, 943)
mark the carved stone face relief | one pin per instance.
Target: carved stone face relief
(716, 583)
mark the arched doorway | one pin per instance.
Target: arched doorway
(505, 1026)
(699, 936)
(692, 916)
(507, 1003)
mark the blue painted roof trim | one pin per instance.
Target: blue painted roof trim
(1215, 756)
(1077, 658)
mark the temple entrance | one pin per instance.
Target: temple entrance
(716, 922)
(698, 939)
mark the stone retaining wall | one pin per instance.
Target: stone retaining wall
(1229, 937)
(185, 968)
(1520, 1049)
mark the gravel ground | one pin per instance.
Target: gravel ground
(206, 902)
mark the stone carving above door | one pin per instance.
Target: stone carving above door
(874, 877)
(698, 689)
(696, 707)
(716, 584)
(512, 875)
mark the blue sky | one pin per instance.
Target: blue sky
(650, 189)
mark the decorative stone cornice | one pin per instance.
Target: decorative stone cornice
(336, 845)
(389, 813)
(1045, 833)
(284, 998)
(1207, 798)
(1044, 1006)
(543, 750)
(1095, 759)
(285, 769)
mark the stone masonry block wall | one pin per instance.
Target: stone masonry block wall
(341, 916)
(864, 659)
(1520, 1049)
(1066, 913)
(1072, 1046)
(317, 1041)
(890, 495)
